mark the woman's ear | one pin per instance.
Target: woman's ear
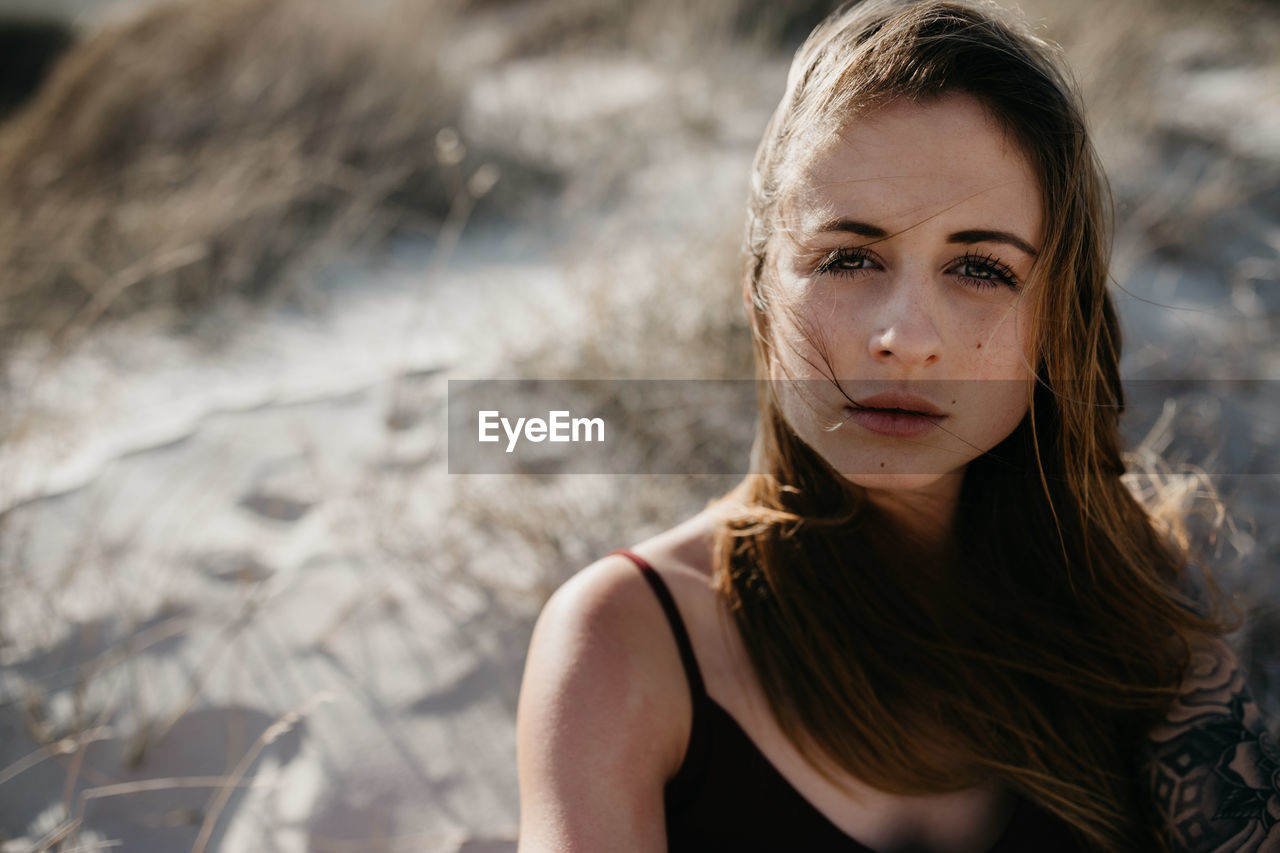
(746, 294)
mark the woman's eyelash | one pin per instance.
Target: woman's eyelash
(831, 262)
(986, 270)
(994, 270)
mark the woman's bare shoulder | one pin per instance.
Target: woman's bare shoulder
(613, 600)
(597, 733)
(597, 643)
(606, 622)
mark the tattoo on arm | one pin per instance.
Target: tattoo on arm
(1212, 768)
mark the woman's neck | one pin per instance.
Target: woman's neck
(925, 515)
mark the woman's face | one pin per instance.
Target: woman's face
(906, 245)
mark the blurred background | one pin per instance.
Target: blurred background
(246, 243)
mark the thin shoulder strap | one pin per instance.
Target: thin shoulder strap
(677, 624)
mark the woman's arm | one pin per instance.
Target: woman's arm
(595, 738)
(1211, 768)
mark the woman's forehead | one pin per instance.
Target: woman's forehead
(910, 163)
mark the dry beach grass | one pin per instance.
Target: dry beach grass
(192, 634)
(251, 136)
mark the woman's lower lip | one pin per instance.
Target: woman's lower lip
(895, 424)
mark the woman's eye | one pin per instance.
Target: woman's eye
(976, 271)
(846, 261)
(985, 272)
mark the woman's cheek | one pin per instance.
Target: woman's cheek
(1002, 403)
(998, 350)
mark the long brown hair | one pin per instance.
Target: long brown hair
(1062, 625)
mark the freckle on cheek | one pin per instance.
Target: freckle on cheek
(881, 464)
(979, 346)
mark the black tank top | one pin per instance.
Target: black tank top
(726, 795)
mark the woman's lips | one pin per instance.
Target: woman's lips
(893, 422)
(898, 400)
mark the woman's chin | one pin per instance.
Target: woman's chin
(893, 482)
(902, 480)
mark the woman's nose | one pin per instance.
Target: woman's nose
(905, 331)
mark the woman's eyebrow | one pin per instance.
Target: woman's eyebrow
(976, 235)
(853, 227)
(984, 236)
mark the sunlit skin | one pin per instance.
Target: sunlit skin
(907, 249)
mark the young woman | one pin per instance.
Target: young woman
(933, 617)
